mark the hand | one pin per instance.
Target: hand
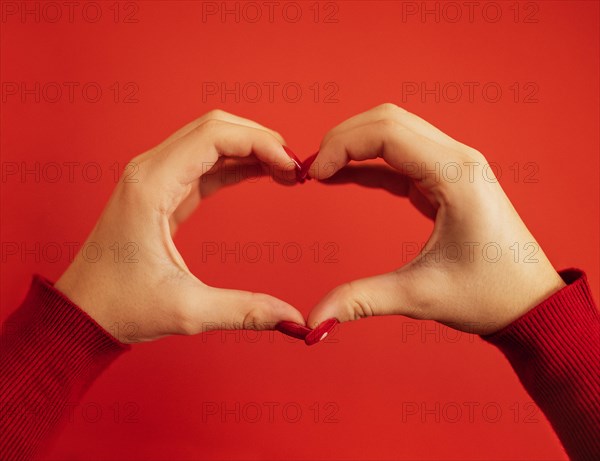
(466, 276)
(157, 295)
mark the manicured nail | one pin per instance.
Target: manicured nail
(303, 173)
(320, 332)
(293, 329)
(294, 157)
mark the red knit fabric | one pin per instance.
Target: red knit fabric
(52, 351)
(555, 351)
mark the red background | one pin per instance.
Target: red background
(149, 404)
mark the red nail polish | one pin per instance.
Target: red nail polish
(303, 173)
(295, 330)
(320, 332)
(294, 157)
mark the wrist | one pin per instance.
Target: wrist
(85, 294)
(532, 291)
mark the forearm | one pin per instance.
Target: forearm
(555, 351)
(52, 351)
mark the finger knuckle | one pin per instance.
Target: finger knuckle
(215, 114)
(387, 125)
(469, 154)
(389, 108)
(261, 309)
(357, 302)
(251, 321)
(209, 126)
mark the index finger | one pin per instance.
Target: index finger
(408, 152)
(190, 156)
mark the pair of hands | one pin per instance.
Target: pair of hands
(467, 275)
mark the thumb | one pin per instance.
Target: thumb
(385, 294)
(223, 309)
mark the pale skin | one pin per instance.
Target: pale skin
(160, 296)
(468, 293)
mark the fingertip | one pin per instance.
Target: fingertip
(321, 331)
(284, 312)
(307, 166)
(289, 160)
(324, 164)
(249, 310)
(321, 314)
(334, 305)
(279, 137)
(293, 315)
(290, 153)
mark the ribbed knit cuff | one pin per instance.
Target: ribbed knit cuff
(555, 351)
(52, 351)
(48, 315)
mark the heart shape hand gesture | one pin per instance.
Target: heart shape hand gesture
(466, 276)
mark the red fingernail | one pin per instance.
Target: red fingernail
(320, 332)
(293, 329)
(303, 173)
(294, 157)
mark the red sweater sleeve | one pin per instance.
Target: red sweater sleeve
(51, 353)
(555, 351)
